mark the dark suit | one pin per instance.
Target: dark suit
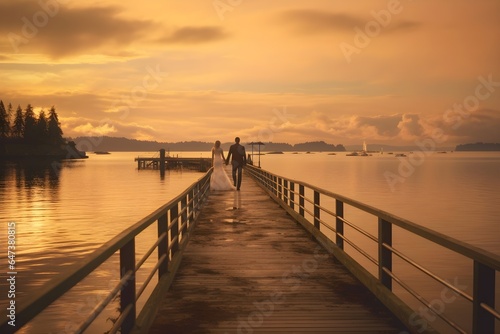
(238, 155)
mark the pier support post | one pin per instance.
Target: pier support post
(174, 231)
(162, 162)
(484, 283)
(285, 192)
(384, 254)
(279, 188)
(127, 295)
(339, 224)
(163, 246)
(301, 200)
(316, 210)
(184, 210)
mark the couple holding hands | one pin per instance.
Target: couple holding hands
(219, 179)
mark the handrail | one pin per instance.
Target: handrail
(486, 264)
(168, 217)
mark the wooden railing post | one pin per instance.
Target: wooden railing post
(191, 212)
(339, 224)
(279, 192)
(384, 254)
(196, 197)
(269, 181)
(301, 200)
(285, 191)
(316, 210)
(275, 185)
(184, 216)
(483, 322)
(174, 231)
(127, 295)
(292, 195)
(163, 246)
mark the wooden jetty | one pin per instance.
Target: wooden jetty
(270, 258)
(250, 268)
(163, 162)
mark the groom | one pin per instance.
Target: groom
(237, 152)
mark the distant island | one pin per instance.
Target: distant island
(30, 136)
(117, 144)
(478, 147)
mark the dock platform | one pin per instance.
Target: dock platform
(167, 162)
(250, 268)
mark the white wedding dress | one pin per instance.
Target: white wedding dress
(219, 179)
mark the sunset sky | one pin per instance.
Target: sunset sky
(393, 72)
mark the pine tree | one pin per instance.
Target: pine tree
(42, 131)
(18, 127)
(4, 122)
(54, 128)
(29, 124)
(10, 111)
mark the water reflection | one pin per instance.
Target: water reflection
(237, 200)
(29, 191)
(29, 174)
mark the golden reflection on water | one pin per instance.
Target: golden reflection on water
(63, 212)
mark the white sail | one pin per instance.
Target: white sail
(364, 147)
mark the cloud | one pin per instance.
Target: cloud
(481, 125)
(384, 126)
(90, 130)
(308, 21)
(195, 35)
(403, 128)
(61, 31)
(410, 127)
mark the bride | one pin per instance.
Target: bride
(219, 179)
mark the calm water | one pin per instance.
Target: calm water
(63, 216)
(65, 213)
(457, 194)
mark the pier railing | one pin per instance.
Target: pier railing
(174, 221)
(322, 213)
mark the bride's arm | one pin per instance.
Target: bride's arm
(212, 157)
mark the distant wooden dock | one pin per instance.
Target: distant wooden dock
(163, 162)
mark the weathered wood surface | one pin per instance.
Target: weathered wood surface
(250, 268)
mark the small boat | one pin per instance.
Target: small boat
(402, 155)
(101, 152)
(362, 153)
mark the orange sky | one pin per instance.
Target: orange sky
(393, 72)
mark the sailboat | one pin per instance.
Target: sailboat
(362, 153)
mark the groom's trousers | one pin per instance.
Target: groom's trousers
(237, 169)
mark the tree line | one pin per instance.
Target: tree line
(24, 126)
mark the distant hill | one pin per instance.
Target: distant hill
(318, 146)
(478, 147)
(118, 144)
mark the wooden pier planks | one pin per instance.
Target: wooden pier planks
(253, 269)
